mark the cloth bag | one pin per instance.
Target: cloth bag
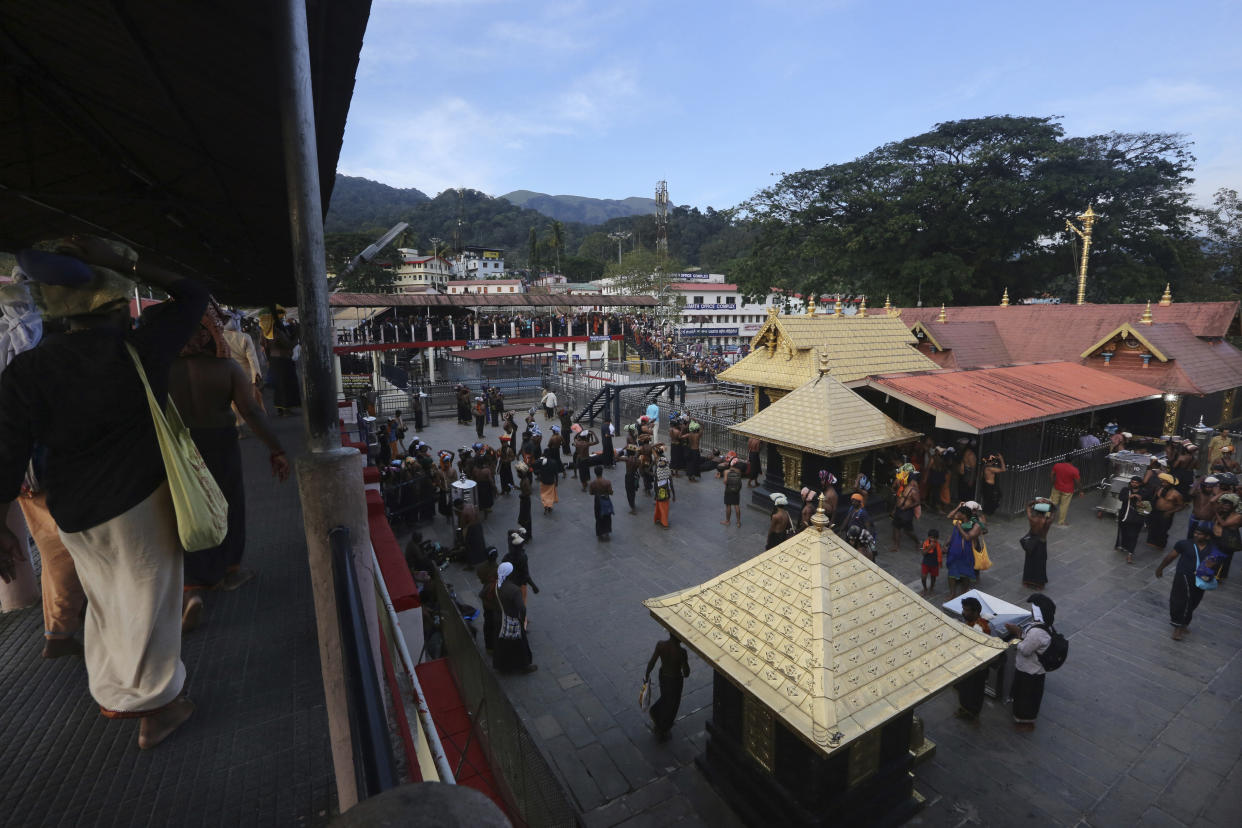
(982, 561)
(510, 628)
(644, 695)
(202, 511)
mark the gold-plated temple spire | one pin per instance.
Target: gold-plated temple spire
(1088, 220)
(820, 520)
(942, 317)
(773, 312)
(1005, 299)
(838, 309)
(888, 306)
(862, 306)
(1167, 298)
(824, 365)
(1146, 319)
(810, 304)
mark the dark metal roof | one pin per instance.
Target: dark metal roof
(501, 352)
(158, 123)
(477, 300)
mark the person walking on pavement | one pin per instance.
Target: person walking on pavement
(1167, 502)
(904, 512)
(549, 475)
(107, 484)
(521, 565)
(1227, 531)
(632, 460)
(1131, 517)
(548, 401)
(674, 670)
(694, 459)
(733, 493)
(512, 653)
(664, 491)
(1185, 595)
(1035, 543)
(1065, 478)
(601, 494)
(480, 416)
(524, 492)
(584, 438)
(1029, 674)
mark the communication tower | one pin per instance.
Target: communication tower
(661, 216)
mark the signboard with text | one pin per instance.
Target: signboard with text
(702, 332)
(693, 306)
(487, 343)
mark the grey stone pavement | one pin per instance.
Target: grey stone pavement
(1135, 728)
(256, 750)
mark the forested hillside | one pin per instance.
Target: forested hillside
(581, 208)
(955, 216)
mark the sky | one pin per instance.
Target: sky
(601, 98)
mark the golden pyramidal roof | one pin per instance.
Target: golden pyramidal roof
(782, 353)
(833, 645)
(824, 417)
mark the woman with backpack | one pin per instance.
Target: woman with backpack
(664, 491)
(1029, 670)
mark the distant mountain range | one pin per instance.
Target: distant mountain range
(581, 208)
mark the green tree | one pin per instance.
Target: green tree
(1221, 227)
(375, 276)
(532, 250)
(640, 273)
(558, 242)
(581, 269)
(960, 213)
(599, 247)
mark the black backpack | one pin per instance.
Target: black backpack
(1055, 653)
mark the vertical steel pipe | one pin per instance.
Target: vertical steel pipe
(297, 121)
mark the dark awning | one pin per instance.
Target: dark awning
(158, 123)
(501, 351)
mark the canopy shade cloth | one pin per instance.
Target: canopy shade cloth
(516, 301)
(501, 351)
(990, 399)
(833, 645)
(158, 123)
(824, 417)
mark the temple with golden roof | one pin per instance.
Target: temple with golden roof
(820, 657)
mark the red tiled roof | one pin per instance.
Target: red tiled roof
(501, 351)
(1058, 332)
(970, 344)
(990, 399)
(1195, 366)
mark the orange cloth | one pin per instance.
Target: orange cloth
(661, 513)
(63, 597)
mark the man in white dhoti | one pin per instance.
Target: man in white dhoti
(106, 485)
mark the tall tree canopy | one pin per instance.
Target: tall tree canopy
(960, 213)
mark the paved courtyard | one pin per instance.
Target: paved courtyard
(1135, 729)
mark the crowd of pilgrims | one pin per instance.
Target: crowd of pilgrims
(444, 327)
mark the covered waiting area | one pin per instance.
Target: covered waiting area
(500, 361)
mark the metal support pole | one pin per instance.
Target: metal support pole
(297, 119)
(328, 476)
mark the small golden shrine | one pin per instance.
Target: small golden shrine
(784, 354)
(820, 657)
(821, 419)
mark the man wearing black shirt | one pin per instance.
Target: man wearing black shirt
(106, 485)
(1184, 596)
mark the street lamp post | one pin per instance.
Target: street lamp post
(619, 236)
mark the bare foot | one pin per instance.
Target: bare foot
(724, 523)
(1178, 632)
(159, 725)
(191, 613)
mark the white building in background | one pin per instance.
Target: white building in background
(421, 273)
(714, 313)
(488, 286)
(481, 263)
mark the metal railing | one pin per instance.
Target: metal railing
(526, 780)
(374, 769)
(1020, 484)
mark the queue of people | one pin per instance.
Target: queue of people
(98, 500)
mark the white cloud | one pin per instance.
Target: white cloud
(453, 142)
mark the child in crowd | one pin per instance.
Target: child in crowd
(933, 555)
